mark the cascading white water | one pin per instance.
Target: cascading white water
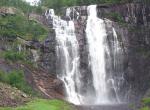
(117, 64)
(68, 55)
(96, 35)
(105, 61)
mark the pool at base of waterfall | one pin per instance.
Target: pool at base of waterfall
(106, 107)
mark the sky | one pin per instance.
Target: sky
(32, 2)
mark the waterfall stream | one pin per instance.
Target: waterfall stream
(96, 35)
(67, 55)
(106, 84)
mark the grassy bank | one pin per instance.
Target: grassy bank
(145, 104)
(16, 79)
(43, 104)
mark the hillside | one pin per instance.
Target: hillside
(21, 80)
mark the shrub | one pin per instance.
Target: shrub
(16, 79)
(19, 25)
(14, 56)
(63, 3)
(146, 101)
(115, 17)
(3, 76)
(145, 108)
(20, 4)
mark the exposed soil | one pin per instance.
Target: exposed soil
(50, 86)
(10, 96)
(40, 80)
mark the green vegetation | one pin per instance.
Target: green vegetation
(35, 31)
(14, 56)
(146, 104)
(144, 1)
(145, 108)
(19, 25)
(146, 101)
(115, 17)
(21, 5)
(63, 3)
(16, 79)
(41, 104)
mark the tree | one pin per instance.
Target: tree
(63, 3)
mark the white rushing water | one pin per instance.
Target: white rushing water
(118, 56)
(101, 57)
(96, 35)
(105, 60)
(67, 55)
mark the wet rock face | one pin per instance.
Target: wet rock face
(48, 54)
(132, 13)
(86, 75)
(134, 31)
(132, 24)
(138, 68)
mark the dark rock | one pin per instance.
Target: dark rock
(48, 54)
(135, 38)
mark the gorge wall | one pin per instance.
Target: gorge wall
(131, 22)
(135, 39)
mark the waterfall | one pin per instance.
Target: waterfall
(105, 61)
(96, 35)
(118, 58)
(67, 55)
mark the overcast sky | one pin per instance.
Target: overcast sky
(32, 2)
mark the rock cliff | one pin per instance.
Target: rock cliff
(132, 24)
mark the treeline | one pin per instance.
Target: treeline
(19, 24)
(145, 1)
(22, 5)
(63, 3)
(26, 7)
